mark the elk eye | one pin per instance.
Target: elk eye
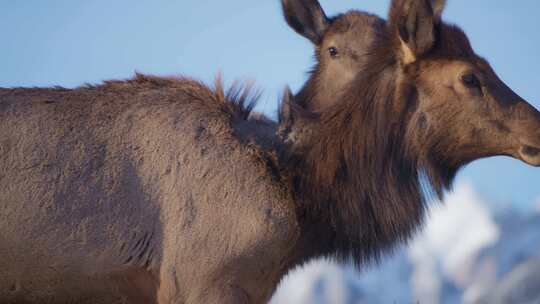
(333, 52)
(470, 81)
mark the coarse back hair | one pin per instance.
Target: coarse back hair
(238, 101)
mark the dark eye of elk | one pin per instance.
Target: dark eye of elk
(333, 52)
(471, 81)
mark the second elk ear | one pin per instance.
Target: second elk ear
(306, 17)
(415, 23)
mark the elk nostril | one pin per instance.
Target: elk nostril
(530, 151)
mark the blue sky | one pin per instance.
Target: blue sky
(70, 42)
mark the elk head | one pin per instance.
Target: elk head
(461, 110)
(340, 46)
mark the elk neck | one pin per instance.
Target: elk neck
(358, 181)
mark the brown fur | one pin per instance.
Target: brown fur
(352, 34)
(163, 190)
(139, 191)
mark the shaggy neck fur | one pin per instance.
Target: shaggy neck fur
(310, 92)
(361, 176)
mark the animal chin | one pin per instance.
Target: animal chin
(530, 155)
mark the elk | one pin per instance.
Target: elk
(162, 190)
(340, 49)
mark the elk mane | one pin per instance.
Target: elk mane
(363, 176)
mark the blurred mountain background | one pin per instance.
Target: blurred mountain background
(467, 253)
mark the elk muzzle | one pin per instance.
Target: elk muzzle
(527, 128)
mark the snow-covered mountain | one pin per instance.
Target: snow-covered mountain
(465, 254)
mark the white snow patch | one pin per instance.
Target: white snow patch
(300, 285)
(455, 233)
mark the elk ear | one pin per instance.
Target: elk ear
(294, 121)
(438, 8)
(415, 23)
(306, 17)
(286, 113)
